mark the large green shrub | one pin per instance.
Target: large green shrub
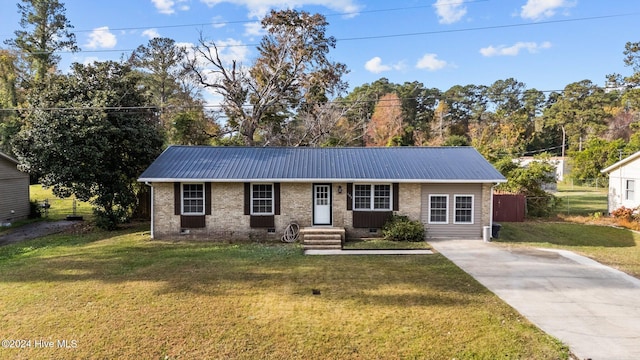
(35, 210)
(401, 228)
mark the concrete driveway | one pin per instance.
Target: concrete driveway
(592, 308)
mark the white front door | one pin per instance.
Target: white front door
(321, 204)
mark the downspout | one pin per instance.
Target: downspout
(152, 213)
(491, 207)
(621, 191)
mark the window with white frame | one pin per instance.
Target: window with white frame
(463, 209)
(438, 209)
(629, 190)
(372, 197)
(261, 199)
(193, 199)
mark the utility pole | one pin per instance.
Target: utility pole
(564, 137)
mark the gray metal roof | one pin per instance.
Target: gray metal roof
(298, 164)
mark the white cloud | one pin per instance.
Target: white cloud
(90, 60)
(253, 29)
(218, 22)
(151, 33)
(431, 62)
(232, 49)
(540, 9)
(375, 65)
(229, 50)
(101, 38)
(164, 6)
(259, 8)
(503, 50)
(449, 11)
(168, 6)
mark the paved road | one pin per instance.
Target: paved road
(592, 308)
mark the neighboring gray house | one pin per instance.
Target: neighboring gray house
(225, 193)
(624, 180)
(14, 191)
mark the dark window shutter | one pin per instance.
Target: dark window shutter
(207, 198)
(370, 219)
(247, 198)
(193, 222)
(349, 196)
(276, 198)
(396, 196)
(177, 198)
(261, 221)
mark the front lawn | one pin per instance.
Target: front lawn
(120, 295)
(616, 247)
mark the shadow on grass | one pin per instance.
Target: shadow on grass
(233, 269)
(566, 234)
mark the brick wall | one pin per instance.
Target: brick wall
(486, 204)
(227, 221)
(165, 223)
(410, 202)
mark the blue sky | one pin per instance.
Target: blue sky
(546, 44)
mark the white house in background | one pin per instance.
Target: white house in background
(624, 179)
(558, 162)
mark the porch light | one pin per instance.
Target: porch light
(339, 189)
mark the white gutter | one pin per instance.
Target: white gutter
(491, 208)
(152, 213)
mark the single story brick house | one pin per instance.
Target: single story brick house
(623, 177)
(225, 193)
(14, 191)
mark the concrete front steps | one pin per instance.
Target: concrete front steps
(322, 238)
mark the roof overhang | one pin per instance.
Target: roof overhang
(621, 163)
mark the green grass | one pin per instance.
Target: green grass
(122, 295)
(60, 208)
(376, 243)
(619, 248)
(581, 200)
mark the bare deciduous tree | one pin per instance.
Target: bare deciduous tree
(292, 71)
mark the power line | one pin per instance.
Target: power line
(373, 37)
(493, 27)
(223, 23)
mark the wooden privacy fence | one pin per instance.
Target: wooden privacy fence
(509, 207)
